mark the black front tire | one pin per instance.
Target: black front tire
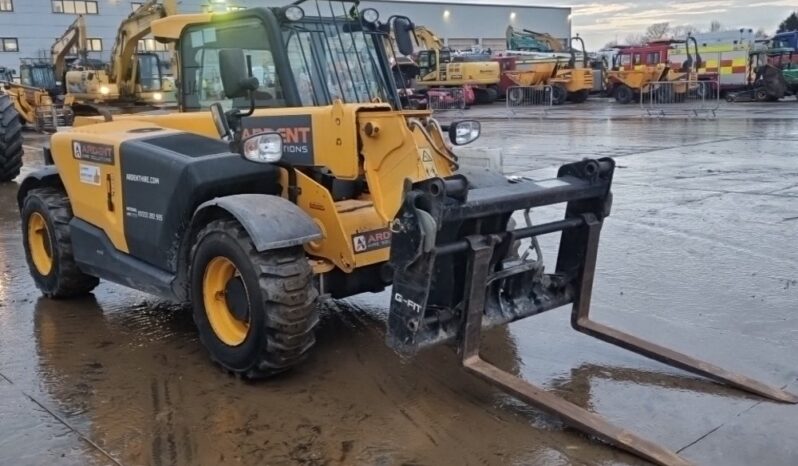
(558, 94)
(65, 279)
(279, 296)
(10, 140)
(624, 94)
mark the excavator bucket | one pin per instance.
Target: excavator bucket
(458, 268)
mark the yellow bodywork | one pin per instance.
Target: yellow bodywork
(27, 100)
(352, 141)
(533, 72)
(458, 74)
(638, 80)
(574, 79)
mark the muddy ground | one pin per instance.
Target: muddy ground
(699, 254)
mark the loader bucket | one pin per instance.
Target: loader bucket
(458, 269)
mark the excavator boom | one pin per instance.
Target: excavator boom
(74, 36)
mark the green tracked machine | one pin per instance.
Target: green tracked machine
(293, 172)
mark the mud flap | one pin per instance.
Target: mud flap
(456, 272)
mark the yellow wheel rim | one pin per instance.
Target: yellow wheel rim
(227, 327)
(41, 251)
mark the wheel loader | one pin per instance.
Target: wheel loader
(37, 98)
(293, 174)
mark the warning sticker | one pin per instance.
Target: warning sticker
(93, 152)
(425, 154)
(90, 174)
(371, 240)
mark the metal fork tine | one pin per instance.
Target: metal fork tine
(682, 361)
(580, 320)
(573, 415)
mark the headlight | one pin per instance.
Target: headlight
(294, 13)
(464, 132)
(104, 90)
(157, 96)
(263, 148)
(370, 15)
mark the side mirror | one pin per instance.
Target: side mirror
(235, 74)
(403, 34)
(464, 132)
(220, 121)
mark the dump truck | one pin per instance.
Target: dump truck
(300, 176)
(541, 53)
(640, 71)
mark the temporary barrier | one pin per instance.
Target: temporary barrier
(529, 100)
(689, 98)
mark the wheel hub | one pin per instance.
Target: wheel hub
(226, 301)
(41, 250)
(236, 296)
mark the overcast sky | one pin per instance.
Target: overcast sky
(603, 22)
(599, 22)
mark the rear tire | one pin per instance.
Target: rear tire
(261, 321)
(46, 214)
(485, 96)
(579, 97)
(623, 94)
(10, 140)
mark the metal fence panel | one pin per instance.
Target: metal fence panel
(689, 98)
(446, 99)
(529, 100)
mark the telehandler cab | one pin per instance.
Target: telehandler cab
(326, 187)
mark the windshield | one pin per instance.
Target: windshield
(202, 82)
(334, 59)
(149, 72)
(38, 76)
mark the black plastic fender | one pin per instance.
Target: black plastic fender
(271, 221)
(47, 176)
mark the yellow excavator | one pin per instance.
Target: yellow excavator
(132, 77)
(440, 67)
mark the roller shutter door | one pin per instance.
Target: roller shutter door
(461, 43)
(495, 45)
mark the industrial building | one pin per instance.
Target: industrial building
(29, 27)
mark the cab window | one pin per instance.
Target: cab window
(653, 58)
(202, 82)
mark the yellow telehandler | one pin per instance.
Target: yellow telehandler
(293, 173)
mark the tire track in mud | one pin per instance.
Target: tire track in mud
(447, 422)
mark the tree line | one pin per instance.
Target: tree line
(664, 30)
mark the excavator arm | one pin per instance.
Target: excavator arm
(74, 36)
(428, 39)
(532, 41)
(133, 28)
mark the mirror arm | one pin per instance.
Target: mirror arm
(251, 105)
